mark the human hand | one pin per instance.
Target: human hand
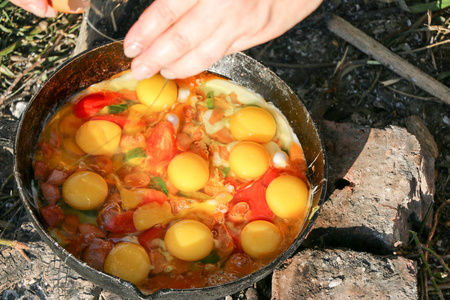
(182, 38)
(40, 8)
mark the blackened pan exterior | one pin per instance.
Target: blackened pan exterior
(100, 64)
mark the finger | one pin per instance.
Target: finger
(199, 59)
(190, 31)
(38, 7)
(156, 19)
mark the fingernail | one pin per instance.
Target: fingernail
(51, 13)
(37, 11)
(141, 72)
(168, 74)
(133, 50)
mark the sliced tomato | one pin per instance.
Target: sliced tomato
(93, 103)
(53, 215)
(122, 223)
(255, 197)
(270, 175)
(161, 144)
(153, 196)
(145, 238)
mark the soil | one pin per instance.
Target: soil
(335, 80)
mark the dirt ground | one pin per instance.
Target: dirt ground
(335, 80)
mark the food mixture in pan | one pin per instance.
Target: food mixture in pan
(202, 186)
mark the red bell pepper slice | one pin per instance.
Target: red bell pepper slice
(153, 196)
(161, 144)
(93, 103)
(122, 223)
(145, 238)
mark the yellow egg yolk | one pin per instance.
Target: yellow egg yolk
(287, 196)
(128, 261)
(98, 137)
(249, 160)
(253, 123)
(188, 172)
(151, 89)
(84, 190)
(189, 240)
(259, 239)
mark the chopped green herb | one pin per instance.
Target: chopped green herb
(225, 171)
(210, 100)
(86, 216)
(160, 184)
(117, 108)
(133, 153)
(212, 258)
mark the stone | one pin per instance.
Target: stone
(344, 274)
(380, 186)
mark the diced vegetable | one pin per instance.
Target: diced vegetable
(210, 100)
(160, 184)
(121, 223)
(93, 103)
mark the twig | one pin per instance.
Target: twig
(17, 246)
(370, 88)
(18, 78)
(411, 95)
(394, 62)
(436, 219)
(6, 182)
(430, 273)
(426, 47)
(437, 256)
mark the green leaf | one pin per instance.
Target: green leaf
(433, 6)
(160, 184)
(210, 100)
(86, 216)
(133, 153)
(10, 48)
(212, 258)
(6, 71)
(4, 29)
(117, 108)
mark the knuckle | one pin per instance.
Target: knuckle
(181, 41)
(165, 12)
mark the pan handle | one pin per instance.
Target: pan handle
(8, 132)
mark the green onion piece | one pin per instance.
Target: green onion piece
(210, 100)
(160, 184)
(117, 108)
(313, 212)
(212, 258)
(133, 153)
